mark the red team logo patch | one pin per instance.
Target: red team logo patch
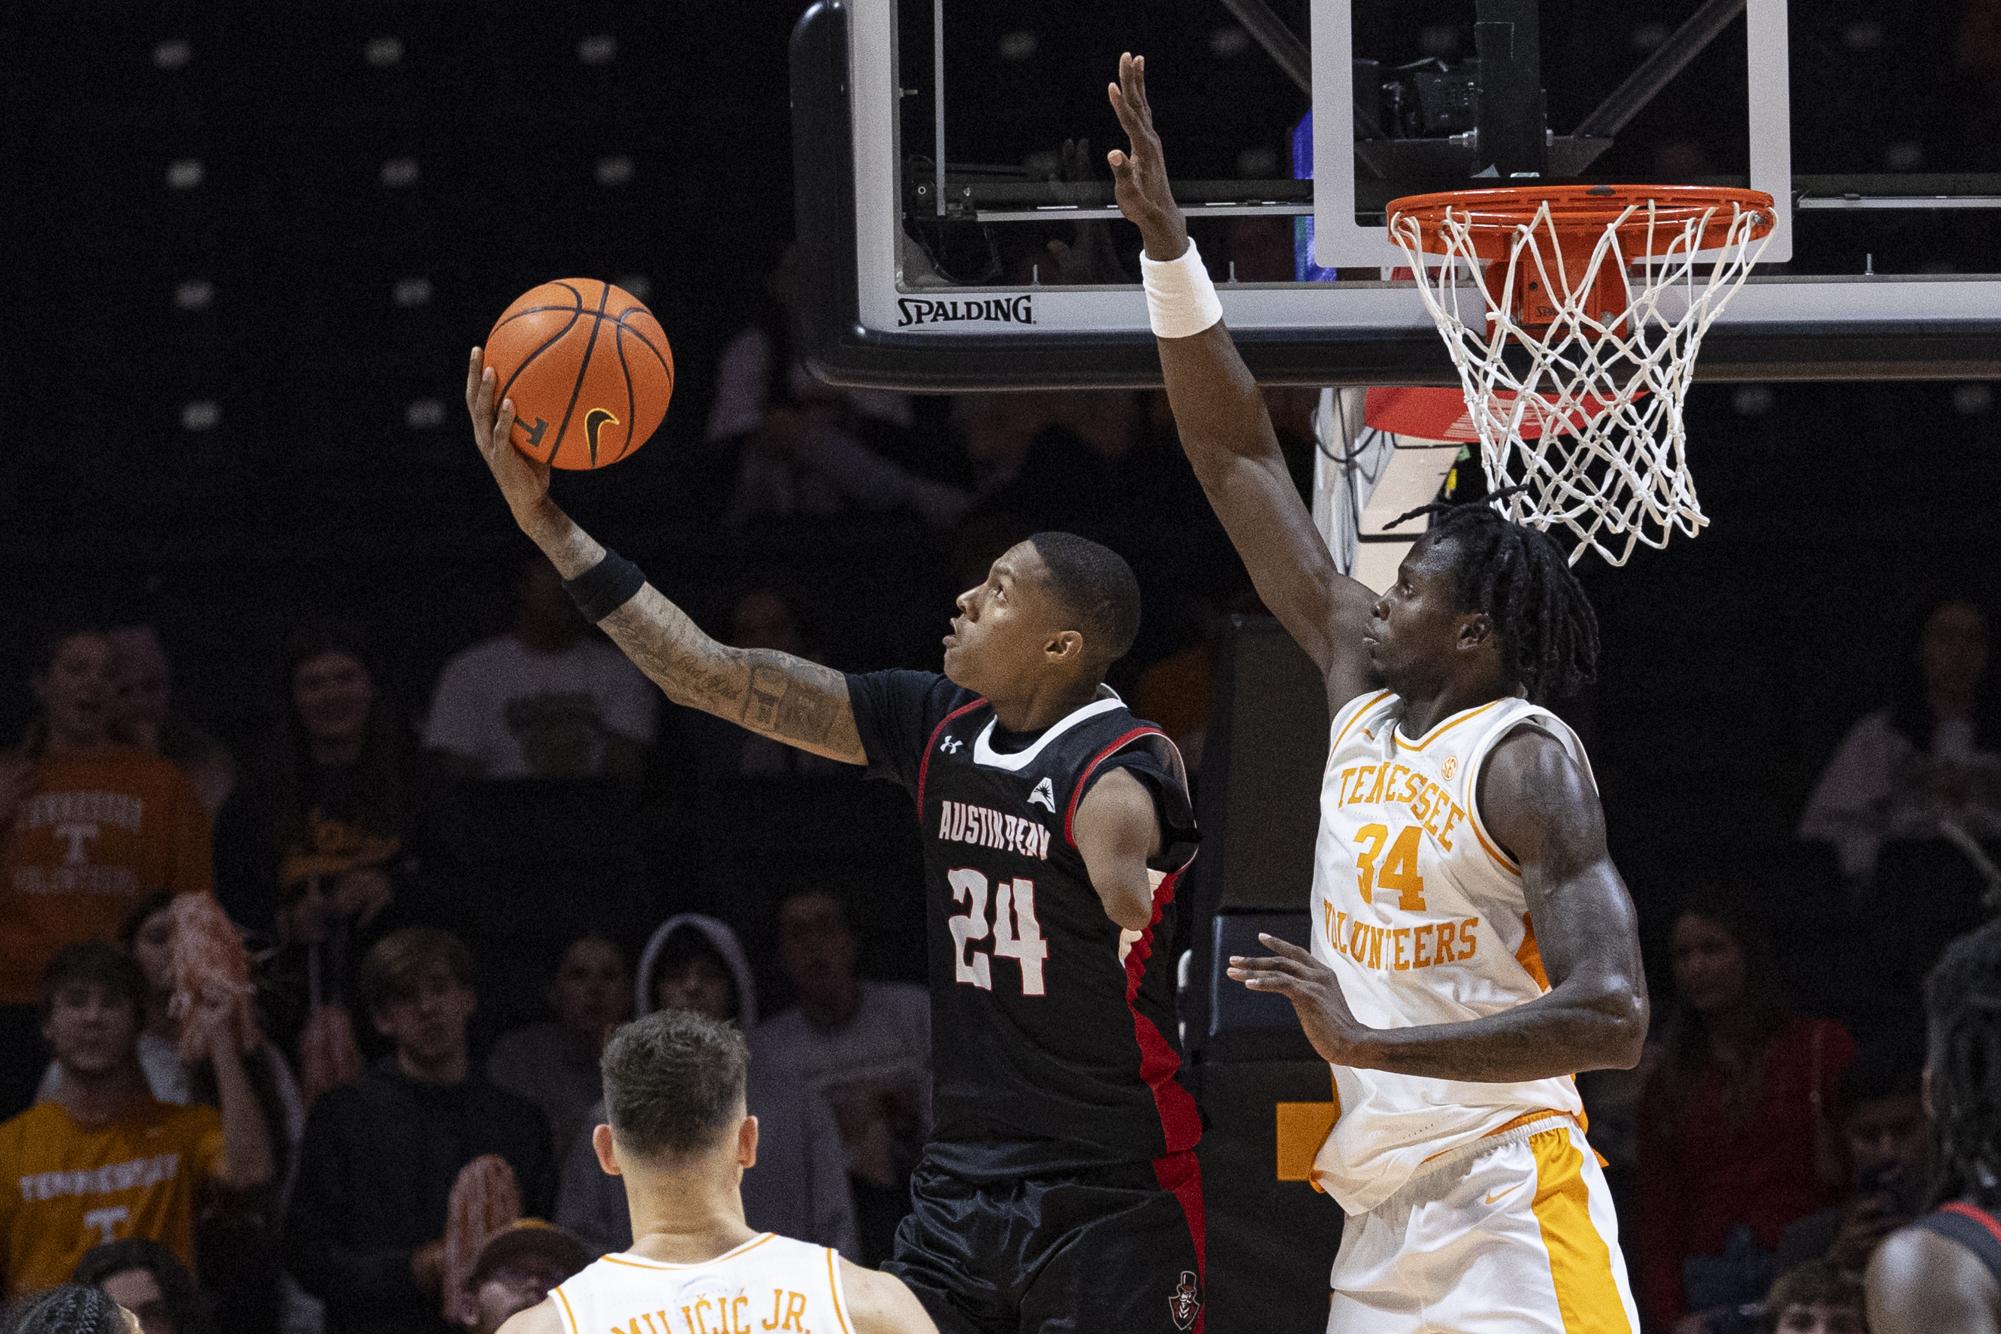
(1186, 1301)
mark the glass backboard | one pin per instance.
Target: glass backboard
(955, 243)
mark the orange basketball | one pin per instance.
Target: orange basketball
(588, 368)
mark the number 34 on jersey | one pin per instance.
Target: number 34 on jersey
(1386, 869)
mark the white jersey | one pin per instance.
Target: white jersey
(1422, 917)
(770, 1284)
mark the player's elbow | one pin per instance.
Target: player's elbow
(1131, 913)
(1623, 1017)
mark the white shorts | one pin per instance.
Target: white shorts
(1512, 1235)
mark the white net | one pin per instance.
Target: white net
(1584, 413)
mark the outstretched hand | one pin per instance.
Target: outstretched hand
(1139, 173)
(1315, 994)
(524, 482)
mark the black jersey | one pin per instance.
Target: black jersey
(1053, 1040)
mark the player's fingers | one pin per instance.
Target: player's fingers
(1277, 982)
(482, 404)
(1132, 116)
(503, 425)
(472, 376)
(1123, 111)
(1129, 115)
(1132, 84)
(1284, 948)
(1267, 967)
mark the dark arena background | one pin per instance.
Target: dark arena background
(250, 249)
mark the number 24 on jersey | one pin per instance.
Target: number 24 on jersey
(1016, 933)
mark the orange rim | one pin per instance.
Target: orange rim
(1581, 213)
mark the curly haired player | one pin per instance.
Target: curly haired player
(1473, 945)
(1944, 1271)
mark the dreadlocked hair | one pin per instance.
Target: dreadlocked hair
(1518, 578)
(1963, 1012)
(69, 1309)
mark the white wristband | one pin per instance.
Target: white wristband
(1180, 299)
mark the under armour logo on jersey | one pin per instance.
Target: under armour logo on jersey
(1186, 1301)
(1451, 766)
(951, 745)
(1044, 796)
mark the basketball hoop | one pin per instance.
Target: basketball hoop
(1573, 314)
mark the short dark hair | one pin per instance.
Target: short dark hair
(1095, 585)
(684, 945)
(1518, 578)
(1883, 1072)
(1815, 1283)
(94, 963)
(841, 901)
(186, 1304)
(582, 935)
(396, 963)
(673, 1082)
(73, 1308)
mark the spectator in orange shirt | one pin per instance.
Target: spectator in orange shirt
(104, 1159)
(88, 827)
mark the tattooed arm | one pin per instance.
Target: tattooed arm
(773, 694)
(1536, 801)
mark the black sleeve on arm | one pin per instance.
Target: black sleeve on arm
(895, 714)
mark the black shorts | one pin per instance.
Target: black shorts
(1111, 1249)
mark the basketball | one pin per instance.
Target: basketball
(588, 368)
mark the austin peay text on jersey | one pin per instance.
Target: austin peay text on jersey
(982, 826)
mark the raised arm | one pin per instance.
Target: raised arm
(773, 694)
(1226, 431)
(246, 1162)
(1543, 810)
